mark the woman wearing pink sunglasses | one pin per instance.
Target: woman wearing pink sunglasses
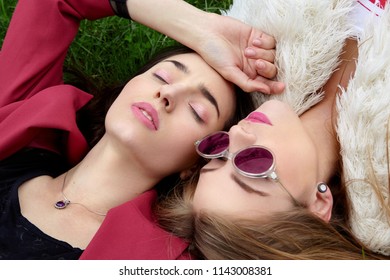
(101, 205)
(276, 186)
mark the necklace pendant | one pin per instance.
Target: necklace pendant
(61, 204)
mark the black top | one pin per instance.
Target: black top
(20, 239)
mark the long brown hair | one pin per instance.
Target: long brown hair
(297, 234)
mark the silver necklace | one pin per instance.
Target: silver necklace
(62, 204)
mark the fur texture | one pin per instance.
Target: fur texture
(310, 35)
(363, 123)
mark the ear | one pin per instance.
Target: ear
(322, 205)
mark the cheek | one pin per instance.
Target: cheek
(296, 166)
(223, 201)
(137, 87)
(299, 152)
(216, 193)
(293, 161)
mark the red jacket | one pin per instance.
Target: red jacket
(37, 109)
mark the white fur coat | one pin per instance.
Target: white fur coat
(363, 123)
(310, 35)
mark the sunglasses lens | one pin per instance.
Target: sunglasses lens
(214, 144)
(254, 160)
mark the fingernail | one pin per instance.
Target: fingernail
(257, 42)
(250, 52)
(260, 65)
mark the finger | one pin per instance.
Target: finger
(266, 69)
(247, 84)
(263, 85)
(264, 41)
(275, 87)
(259, 53)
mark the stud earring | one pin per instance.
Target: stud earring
(322, 187)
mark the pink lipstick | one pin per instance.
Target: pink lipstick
(146, 114)
(258, 117)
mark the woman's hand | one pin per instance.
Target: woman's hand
(241, 54)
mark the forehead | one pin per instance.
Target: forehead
(192, 66)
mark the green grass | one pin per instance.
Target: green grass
(111, 49)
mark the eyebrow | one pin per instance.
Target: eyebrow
(245, 186)
(203, 89)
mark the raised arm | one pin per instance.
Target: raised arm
(36, 43)
(240, 53)
(41, 31)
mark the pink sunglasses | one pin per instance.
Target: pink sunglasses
(253, 161)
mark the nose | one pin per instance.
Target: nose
(239, 138)
(170, 95)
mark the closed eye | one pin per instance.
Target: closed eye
(196, 115)
(160, 78)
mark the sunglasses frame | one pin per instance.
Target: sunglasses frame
(270, 173)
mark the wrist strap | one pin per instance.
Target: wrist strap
(120, 8)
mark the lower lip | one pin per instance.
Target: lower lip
(142, 118)
(258, 117)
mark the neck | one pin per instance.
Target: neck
(320, 120)
(105, 179)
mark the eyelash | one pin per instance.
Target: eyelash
(160, 78)
(196, 115)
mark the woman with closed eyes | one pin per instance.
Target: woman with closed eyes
(58, 198)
